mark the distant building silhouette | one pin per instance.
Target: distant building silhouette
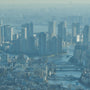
(75, 31)
(42, 44)
(52, 29)
(8, 33)
(86, 35)
(60, 31)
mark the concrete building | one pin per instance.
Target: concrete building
(27, 30)
(52, 45)
(52, 29)
(1, 34)
(60, 36)
(78, 53)
(42, 44)
(75, 31)
(8, 33)
(86, 36)
(24, 32)
(31, 45)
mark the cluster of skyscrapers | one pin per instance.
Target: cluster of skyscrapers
(35, 44)
(43, 43)
(6, 33)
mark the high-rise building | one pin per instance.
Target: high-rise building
(15, 36)
(31, 45)
(0, 36)
(42, 44)
(54, 45)
(86, 35)
(27, 28)
(24, 32)
(75, 31)
(64, 26)
(30, 30)
(61, 35)
(8, 33)
(78, 53)
(52, 29)
(16, 47)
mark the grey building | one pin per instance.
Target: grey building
(52, 29)
(42, 44)
(61, 27)
(86, 35)
(75, 31)
(8, 33)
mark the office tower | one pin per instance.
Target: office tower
(11, 34)
(8, 33)
(78, 53)
(28, 28)
(52, 29)
(27, 38)
(23, 45)
(75, 31)
(15, 36)
(86, 35)
(31, 45)
(42, 44)
(61, 35)
(64, 25)
(54, 45)
(24, 32)
(23, 40)
(0, 35)
(16, 47)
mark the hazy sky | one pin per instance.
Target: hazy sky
(64, 6)
(42, 1)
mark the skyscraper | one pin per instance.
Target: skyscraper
(52, 29)
(60, 34)
(75, 31)
(8, 33)
(0, 36)
(24, 32)
(27, 28)
(42, 44)
(54, 45)
(86, 35)
(31, 45)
